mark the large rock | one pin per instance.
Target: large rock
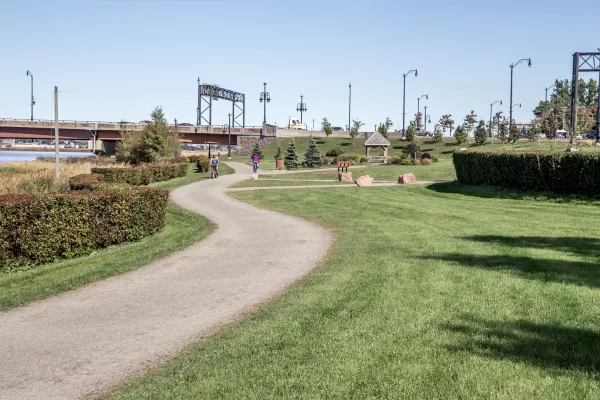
(364, 180)
(407, 178)
(345, 177)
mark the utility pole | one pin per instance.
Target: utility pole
(56, 132)
(32, 99)
(349, 104)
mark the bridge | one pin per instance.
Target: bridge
(104, 135)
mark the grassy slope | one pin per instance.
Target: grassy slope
(283, 182)
(425, 294)
(182, 228)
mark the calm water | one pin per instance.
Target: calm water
(12, 156)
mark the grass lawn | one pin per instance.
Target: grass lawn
(191, 177)
(182, 229)
(427, 293)
(283, 182)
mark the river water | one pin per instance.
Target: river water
(13, 156)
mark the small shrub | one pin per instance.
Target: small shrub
(334, 152)
(425, 155)
(434, 159)
(394, 160)
(425, 161)
(363, 160)
(407, 161)
(202, 164)
(143, 175)
(328, 160)
(353, 159)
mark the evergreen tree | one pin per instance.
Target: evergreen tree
(513, 134)
(480, 134)
(312, 156)
(411, 132)
(278, 153)
(461, 135)
(502, 131)
(291, 156)
(438, 136)
(257, 150)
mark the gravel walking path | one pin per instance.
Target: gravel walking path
(84, 341)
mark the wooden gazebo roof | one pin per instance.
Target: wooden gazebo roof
(377, 140)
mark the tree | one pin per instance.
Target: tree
(384, 128)
(354, 130)
(438, 135)
(278, 153)
(312, 156)
(411, 132)
(585, 121)
(497, 118)
(326, 127)
(502, 131)
(480, 134)
(447, 122)
(419, 121)
(461, 135)
(470, 121)
(534, 131)
(291, 156)
(156, 141)
(257, 150)
(513, 134)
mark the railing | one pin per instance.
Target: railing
(378, 159)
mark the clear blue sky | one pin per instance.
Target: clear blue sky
(139, 54)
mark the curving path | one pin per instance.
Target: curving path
(84, 341)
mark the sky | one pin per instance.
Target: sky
(117, 60)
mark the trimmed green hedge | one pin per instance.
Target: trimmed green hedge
(43, 228)
(564, 173)
(144, 175)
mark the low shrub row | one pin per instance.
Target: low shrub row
(142, 175)
(559, 173)
(37, 229)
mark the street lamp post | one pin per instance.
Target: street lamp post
(419, 105)
(301, 107)
(425, 119)
(229, 137)
(265, 97)
(491, 113)
(32, 99)
(512, 67)
(549, 87)
(404, 99)
(349, 103)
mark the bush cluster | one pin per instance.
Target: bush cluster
(202, 164)
(334, 152)
(94, 182)
(363, 160)
(143, 175)
(559, 173)
(353, 159)
(42, 228)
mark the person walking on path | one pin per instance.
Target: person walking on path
(255, 160)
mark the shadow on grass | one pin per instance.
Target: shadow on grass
(558, 349)
(544, 270)
(494, 192)
(345, 144)
(573, 245)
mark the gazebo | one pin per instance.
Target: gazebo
(377, 140)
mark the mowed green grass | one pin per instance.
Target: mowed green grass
(282, 182)
(182, 229)
(426, 293)
(191, 177)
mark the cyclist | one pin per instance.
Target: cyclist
(255, 160)
(215, 165)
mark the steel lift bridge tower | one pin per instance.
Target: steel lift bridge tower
(207, 93)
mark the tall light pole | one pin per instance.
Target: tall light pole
(404, 99)
(32, 99)
(425, 116)
(349, 103)
(419, 105)
(513, 106)
(492, 113)
(512, 67)
(301, 107)
(229, 137)
(548, 88)
(265, 97)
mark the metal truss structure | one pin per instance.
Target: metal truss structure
(583, 62)
(207, 93)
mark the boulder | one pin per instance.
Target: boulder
(407, 178)
(364, 180)
(345, 177)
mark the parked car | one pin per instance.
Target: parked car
(338, 129)
(424, 133)
(592, 135)
(186, 124)
(144, 122)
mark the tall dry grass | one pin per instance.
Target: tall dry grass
(36, 177)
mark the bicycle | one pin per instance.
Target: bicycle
(254, 167)
(215, 172)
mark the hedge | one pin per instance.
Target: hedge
(42, 228)
(94, 182)
(142, 175)
(564, 173)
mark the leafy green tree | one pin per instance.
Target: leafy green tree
(470, 121)
(503, 131)
(291, 156)
(354, 130)
(438, 135)
(461, 135)
(497, 119)
(384, 127)
(326, 127)
(534, 131)
(419, 121)
(480, 134)
(411, 132)
(256, 149)
(447, 122)
(513, 134)
(278, 152)
(312, 156)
